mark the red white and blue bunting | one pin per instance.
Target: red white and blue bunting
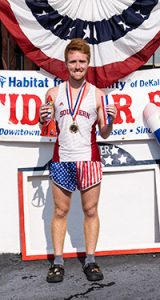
(123, 34)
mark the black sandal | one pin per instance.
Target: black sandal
(55, 274)
(93, 272)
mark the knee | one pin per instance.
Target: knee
(90, 212)
(60, 213)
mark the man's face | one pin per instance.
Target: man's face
(77, 64)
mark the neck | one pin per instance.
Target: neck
(76, 84)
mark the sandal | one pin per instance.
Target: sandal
(93, 272)
(55, 274)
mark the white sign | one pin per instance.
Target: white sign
(22, 92)
(130, 96)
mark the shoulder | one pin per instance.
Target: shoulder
(99, 93)
(52, 92)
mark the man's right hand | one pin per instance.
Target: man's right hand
(43, 112)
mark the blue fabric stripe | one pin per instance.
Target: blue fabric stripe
(111, 29)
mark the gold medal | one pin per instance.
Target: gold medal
(73, 128)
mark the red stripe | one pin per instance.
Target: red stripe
(91, 172)
(84, 175)
(97, 173)
(97, 253)
(21, 214)
(81, 173)
(81, 168)
(87, 175)
(100, 170)
(94, 176)
(77, 172)
(99, 76)
(88, 181)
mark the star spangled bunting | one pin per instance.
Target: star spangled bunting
(112, 155)
(122, 34)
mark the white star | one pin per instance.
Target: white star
(114, 150)
(124, 25)
(87, 32)
(122, 159)
(59, 23)
(108, 160)
(42, 13)
(70, 30)
(139, 13)
(94, 33)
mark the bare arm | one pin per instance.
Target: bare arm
(104, 129)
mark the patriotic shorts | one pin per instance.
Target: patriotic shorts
(76, 175)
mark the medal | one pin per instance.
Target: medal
(74, 111)
(73, 128)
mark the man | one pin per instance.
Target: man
(76, 161)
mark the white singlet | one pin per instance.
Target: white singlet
(79, 146)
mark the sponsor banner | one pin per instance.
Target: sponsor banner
(131, 95)
(22, 92)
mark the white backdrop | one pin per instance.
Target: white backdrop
(28, 155)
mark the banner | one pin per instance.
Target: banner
(122, 34)
(131, 95)
(22, 93)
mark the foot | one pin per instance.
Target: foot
(55, 274)
(93, 272)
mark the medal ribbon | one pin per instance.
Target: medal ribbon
(104, 104)
(74, 111)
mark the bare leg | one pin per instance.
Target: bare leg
(90, 199)
(62, 199)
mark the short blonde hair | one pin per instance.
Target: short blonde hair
(78, 45)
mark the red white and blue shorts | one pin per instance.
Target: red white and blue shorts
(76, 175)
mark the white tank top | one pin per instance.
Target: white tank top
(80, 146)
